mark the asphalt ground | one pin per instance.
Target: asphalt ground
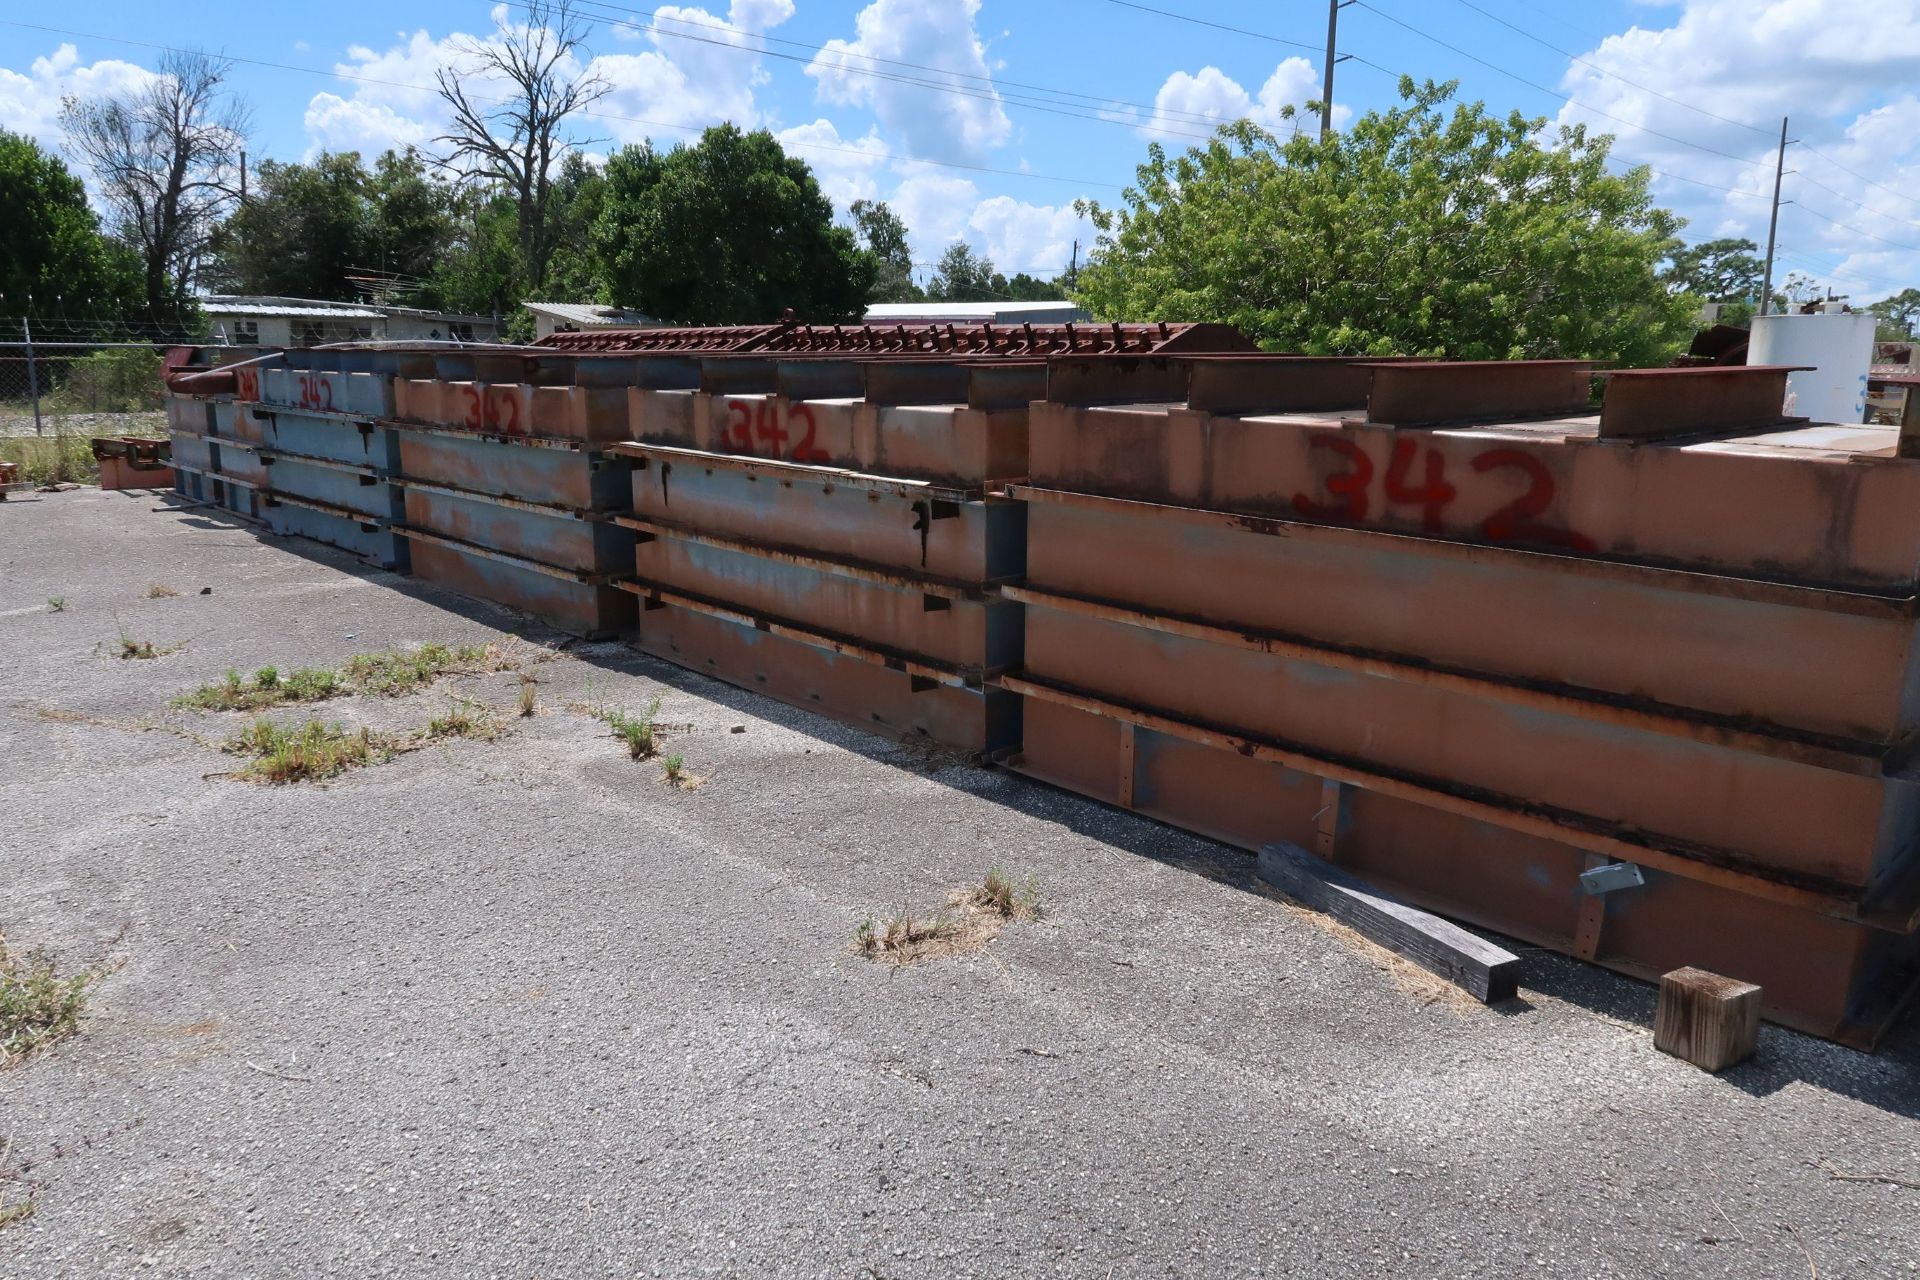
(519, 1008)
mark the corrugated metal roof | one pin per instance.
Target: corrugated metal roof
(587, 313)
(312, 311)
(956, 312)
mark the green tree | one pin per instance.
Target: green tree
(1715, 271)
(730, 230)
(1898, 315)
(53, 257)
(1025, 288)
(302, 231)
(1414, 231)
(579, 193)
(410, 224)
(482, 272)
(885, 236)
(962, 275)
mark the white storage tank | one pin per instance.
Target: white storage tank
(1839, 346)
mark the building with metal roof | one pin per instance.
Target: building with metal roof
(573, 317)
(257, 320)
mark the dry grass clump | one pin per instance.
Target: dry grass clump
(127, 647)
(38, 1007)
(464, 719)
(529, 694)
(266, 688)
(310, 752)
(972, 918)
(161, 591)
(394, 672)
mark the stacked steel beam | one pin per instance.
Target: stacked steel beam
(1444, 625)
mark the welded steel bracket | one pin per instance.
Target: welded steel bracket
(1610, 878)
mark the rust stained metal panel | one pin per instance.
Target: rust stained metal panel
(556, 477)
(890, 524)
(322, 436)
(518, 529)
(953, 444)
(969, 635)
(1779, 818)
(1653, 404)
(582, 607)
(1654, 639)
(1831, 518)
(861, 693)
(1434, 393)
(976, 384)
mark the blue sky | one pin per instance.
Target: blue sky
(1049, 100)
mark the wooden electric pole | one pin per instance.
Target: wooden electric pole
(1773, 221)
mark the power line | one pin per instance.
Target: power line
(1614, 75)
(1552, 93)
(878, 156)
(1217, 26)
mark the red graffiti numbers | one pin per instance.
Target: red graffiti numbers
(1349, 485)
(767, 428)
(503, 410)
(1432, 496)
(1518, 521)
(476, 417)
(316, 391)
(246, 384)
(806, 450)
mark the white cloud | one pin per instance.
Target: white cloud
(30, 103)
(1844, 73)
(1189, 106)
(848, 168)
(693, 76)
(960, 125)
(1037, 239)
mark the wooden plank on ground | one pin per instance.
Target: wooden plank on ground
(1483, 970)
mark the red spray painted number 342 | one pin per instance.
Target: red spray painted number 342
(1349, 491)
(756, 427)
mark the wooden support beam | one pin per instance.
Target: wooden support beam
(1711, 1021)
(1484, 971)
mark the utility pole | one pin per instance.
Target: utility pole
(1326, 89)
(1073, 272)
(1773, 221)
(243, 177)
(33, 371)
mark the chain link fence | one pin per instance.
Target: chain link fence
(55, 397)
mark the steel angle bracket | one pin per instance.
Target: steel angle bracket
(1611, 878)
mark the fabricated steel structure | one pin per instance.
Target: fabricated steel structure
(1640, 684)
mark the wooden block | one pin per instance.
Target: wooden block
(1484, 971)
(1711, 1021)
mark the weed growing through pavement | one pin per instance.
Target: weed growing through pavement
(464, 719)
(394, 672)
(529, 694)
(998, 893)
(58, 604)
(266, 688)
(310, 752)
(637, 731)
(37, 1006)
(161, 591)
(972, 918)
(132, 648)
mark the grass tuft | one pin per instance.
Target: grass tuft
(529, 695)
(131, 648)
(637, 732)
(161, 591)
(38, 1007)
(394, 672)
(310, 752)
(905, 938)
(57, 604)
(464, 719)
(267, 688)
(999, 894)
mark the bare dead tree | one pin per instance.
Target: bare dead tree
(165, 160)
(516, 141)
